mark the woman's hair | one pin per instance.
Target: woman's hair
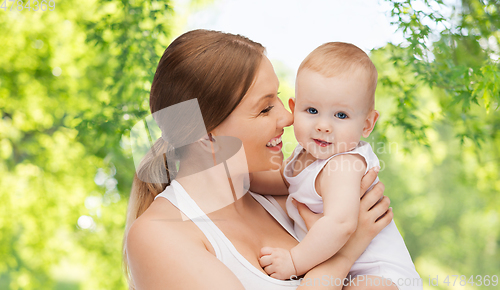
(213, 67)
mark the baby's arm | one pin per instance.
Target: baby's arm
(339, 184)
(269, 182)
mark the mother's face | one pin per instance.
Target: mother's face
(258, 121)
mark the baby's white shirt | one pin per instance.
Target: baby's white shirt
(386, 256)
(302, 186)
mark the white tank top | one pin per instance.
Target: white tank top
(250, 277)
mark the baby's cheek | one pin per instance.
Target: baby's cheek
(354, 137)
(344, 137)
(301, 127)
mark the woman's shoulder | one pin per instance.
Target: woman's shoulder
(158, 224)
(158, 244)
(151, 223)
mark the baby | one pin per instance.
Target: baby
(333, 108)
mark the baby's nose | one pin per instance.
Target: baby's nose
(323, 128)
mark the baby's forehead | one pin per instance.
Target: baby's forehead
(346, 90)
(353, 71)
(354, 104)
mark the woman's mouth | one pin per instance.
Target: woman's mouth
(275, 143)
(322, 143)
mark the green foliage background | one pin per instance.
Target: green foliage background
(74, 80)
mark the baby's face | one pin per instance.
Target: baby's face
(330, 113)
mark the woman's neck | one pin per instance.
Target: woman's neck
(215, 187)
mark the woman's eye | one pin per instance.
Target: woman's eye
(312, 111)
(341, 115)
(266, 110)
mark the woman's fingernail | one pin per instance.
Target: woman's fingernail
(376, 169)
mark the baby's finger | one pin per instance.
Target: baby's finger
(368, 179)
(265, 261)
(266, 251)
(270, 269)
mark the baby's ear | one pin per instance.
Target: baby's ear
(291, 104)
(370, 121)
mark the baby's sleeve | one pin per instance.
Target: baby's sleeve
(365, 149)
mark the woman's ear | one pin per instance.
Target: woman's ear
(370, 121)
(291, 104)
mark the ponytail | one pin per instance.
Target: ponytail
(155, 169)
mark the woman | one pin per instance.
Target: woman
(236, 89)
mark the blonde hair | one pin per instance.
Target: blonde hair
(334, 59)
(213, 67)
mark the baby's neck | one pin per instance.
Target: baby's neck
(305, 158)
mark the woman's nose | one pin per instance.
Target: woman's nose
(285, 118)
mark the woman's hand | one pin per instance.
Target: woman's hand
(374, 215)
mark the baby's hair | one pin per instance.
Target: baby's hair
(334, 59)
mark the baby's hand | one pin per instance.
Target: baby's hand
(277, 263)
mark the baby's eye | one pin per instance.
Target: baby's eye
(341, 115)
(312, 111)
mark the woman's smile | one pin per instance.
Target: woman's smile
(275, 143)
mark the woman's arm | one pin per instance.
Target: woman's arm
(171, 259)
(374, 215)
(268, 183)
